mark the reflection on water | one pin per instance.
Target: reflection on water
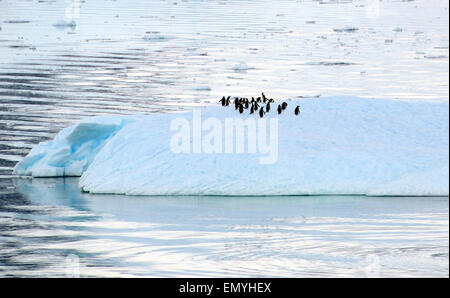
(114, 235)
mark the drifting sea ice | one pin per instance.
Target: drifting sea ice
(337, 145)
(65, 24)
(241, 66)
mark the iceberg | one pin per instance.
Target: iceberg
(337, 145)
(241, 66)
(65, 24)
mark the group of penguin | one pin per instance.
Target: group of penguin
(262, 103)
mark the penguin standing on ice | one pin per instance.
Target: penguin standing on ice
(279, 109)
(284, 105)
(223, 101)
(241, 109)
(261, 112)
(268, 107)
(227, 101)
(236, 104)
(297, 110)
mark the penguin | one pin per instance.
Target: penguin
(261, 112)
(268, 107)
(263, 97)
(246, 104)
(284, 105)
(271, 100)
(297, 110)
(236, 104)
(252, 109)
(279, 110)
(223, 101)
(241, 109)
(227, 102)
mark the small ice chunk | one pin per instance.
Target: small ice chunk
(65, 24)
(17, 22)
(201, 88)
(241, 66)
(346, 29)
(436, 56)
(155, 36)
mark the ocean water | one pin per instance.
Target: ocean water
(60, 62)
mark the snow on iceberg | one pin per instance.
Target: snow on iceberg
(337, 145)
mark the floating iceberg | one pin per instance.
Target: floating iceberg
(337, 145)
(156, 36)
(241, 66)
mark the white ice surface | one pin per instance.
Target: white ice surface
(338, 145)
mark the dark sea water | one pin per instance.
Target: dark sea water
(61, 61)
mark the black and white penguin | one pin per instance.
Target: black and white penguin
(297, 110)
(261, 112)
